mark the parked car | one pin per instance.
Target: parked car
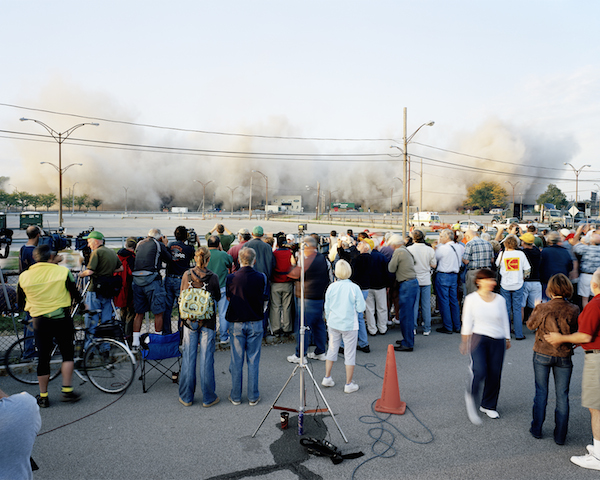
(471, 225)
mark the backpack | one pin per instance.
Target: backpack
(195, 304)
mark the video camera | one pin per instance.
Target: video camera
(55, 239)
(81, 244)
(192, 237)
(302, 229)
(5, 241)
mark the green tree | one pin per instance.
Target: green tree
(35, 201)
(23, 199)
(486, 195)
(96, 202)
(81, 201)
(553, 195)
(48, 200)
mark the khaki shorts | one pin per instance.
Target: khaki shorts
(590, 384)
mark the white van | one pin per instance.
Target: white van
(496, 211)
(425, 219)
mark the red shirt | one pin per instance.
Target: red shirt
(589, 322)
(283, 265)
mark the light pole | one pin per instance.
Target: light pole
(204, 184)
(577, 172)
(60, 137)
(267, 193)
(318, 198)
(73, 199)
(406, 140)
(232, 190)
(513, 185)
(329, 211)
(125, 188)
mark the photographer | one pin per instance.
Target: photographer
(104, 262)
(26, 253)
(182, 255)
(226, 239)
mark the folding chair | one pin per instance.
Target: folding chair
(162, 354)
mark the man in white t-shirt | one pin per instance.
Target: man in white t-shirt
(424, 257)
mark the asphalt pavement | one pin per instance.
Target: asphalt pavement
(151, 435)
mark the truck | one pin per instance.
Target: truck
(425, 219)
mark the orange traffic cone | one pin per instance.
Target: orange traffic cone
(390, 392)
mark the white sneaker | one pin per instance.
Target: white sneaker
(472, 410)
(327, 382)
(415, 331)
(396, 322)
(426, 334)
(350, 387)
(587, 461)
(590, 449)
(315, 356)
(489, 413)
(294, 359)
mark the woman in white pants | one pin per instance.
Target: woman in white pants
(343, 301)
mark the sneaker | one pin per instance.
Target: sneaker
(294, 359)
(214, 402)
(590, 449)
(224, 342)
(350, 387)
(70, 397)
(185, 404)
(253, 403)
(586, 461)
(389, 323)
(235, 402)
(426, 334)
(43, 402)
(317, 356)
(365, 349)
(327, 382)
(396, 322)
(415, 331)
(489, 413)
(472, 410)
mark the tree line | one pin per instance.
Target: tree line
(486, 195)
(24, 200)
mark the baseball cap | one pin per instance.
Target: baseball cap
(528, 238)
(564, 232)
(258, 231)
(95, 234)
(243, 231)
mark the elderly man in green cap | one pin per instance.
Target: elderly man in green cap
(104, 263)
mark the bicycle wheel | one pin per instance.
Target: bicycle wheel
(21, 360)
(109, 365)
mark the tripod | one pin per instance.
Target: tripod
(301, 368)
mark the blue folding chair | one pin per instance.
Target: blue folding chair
(160, 353)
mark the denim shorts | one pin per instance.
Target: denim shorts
(149, 298)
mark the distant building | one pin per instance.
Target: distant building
(287, 203)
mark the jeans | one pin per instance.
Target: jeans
(102, 308)
(221, 311)
(424, 301)
(313, 319)
(447, 295)
(561, 367)
(187, 379)
(514, 300)
(363, 339)
(172, 290)
(487, 356)
(408, 295)
(246, 340)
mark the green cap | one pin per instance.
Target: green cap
(258, 231)
(95, 234)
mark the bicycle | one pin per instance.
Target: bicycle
(106, 362)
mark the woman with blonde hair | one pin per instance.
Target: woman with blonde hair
(199, 332)
(343, 301)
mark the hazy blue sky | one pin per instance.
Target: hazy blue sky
(515, 81)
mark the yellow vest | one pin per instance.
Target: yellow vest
(45, 288)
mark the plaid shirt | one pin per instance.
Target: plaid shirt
(479, 254)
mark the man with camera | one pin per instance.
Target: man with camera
(148, 288)
(26, 253)
(225, 239)
(182, 255)
(103, 264)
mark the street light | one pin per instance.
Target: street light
(329, 211)
(513, 185)
(318, 198)
(73, 199)
(406, 140)
(232, 190)
(267, 194)
(125, 188)
(204, 184)
(577, 172)
(60, 137)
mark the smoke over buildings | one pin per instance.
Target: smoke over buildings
(155, 175)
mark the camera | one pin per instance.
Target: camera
(55, 239)
(5, 241)
(81, 244)
(192, 237)
(302, 229)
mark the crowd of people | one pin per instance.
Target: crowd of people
(352, 287)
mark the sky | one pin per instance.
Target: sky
(311, 94)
